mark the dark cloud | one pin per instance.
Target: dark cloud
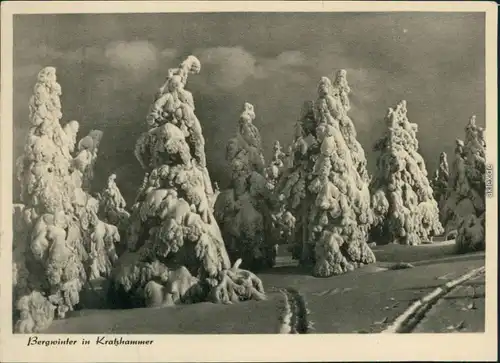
(110, 66)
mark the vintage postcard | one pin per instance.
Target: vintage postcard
(194, 181)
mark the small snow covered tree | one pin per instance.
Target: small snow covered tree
(60, 246)
(282, 221)
(464, 210)
(112, 208)
(175, 250)
(439, 182)
(325, 185)
(402, 198)
(112, 204)
(275, 169)
(244, 210)
(86, 158)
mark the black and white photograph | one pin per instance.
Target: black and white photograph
(262, 171)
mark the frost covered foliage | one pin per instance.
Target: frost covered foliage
(243, 211)
(324, 187)
(402, 199)
(440, 182)
(59, 243)
(464, 210)
(172, 223)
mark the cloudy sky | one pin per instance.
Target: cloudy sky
(110, 66)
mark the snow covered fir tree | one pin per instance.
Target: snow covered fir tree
(324, 187)
(402, 199)
(464, 210)
(244, 210)
(113, 208)
(275, 168)
(60, 246)
(439, 182)
(175, 250)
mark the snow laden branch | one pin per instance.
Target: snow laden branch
(325, 185)
(175, 250)
(402, 198)
(60, 246)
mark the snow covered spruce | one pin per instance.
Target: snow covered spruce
(277, 165)
(439, 182)
(464, 210)
(325, 185)
(243, 211)
(402, 198)
(60, 246)
(175, 251)
(112, 207)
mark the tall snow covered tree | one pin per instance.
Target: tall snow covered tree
(325, 185)
(244, 211)
(464, 210)
(60, 246)
(176, 253)
(402, 198)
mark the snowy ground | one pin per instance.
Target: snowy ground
(363, 301)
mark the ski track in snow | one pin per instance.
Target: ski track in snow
(412, 317)
(293, 316)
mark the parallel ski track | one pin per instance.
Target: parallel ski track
(411, 317)
(294, 314)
